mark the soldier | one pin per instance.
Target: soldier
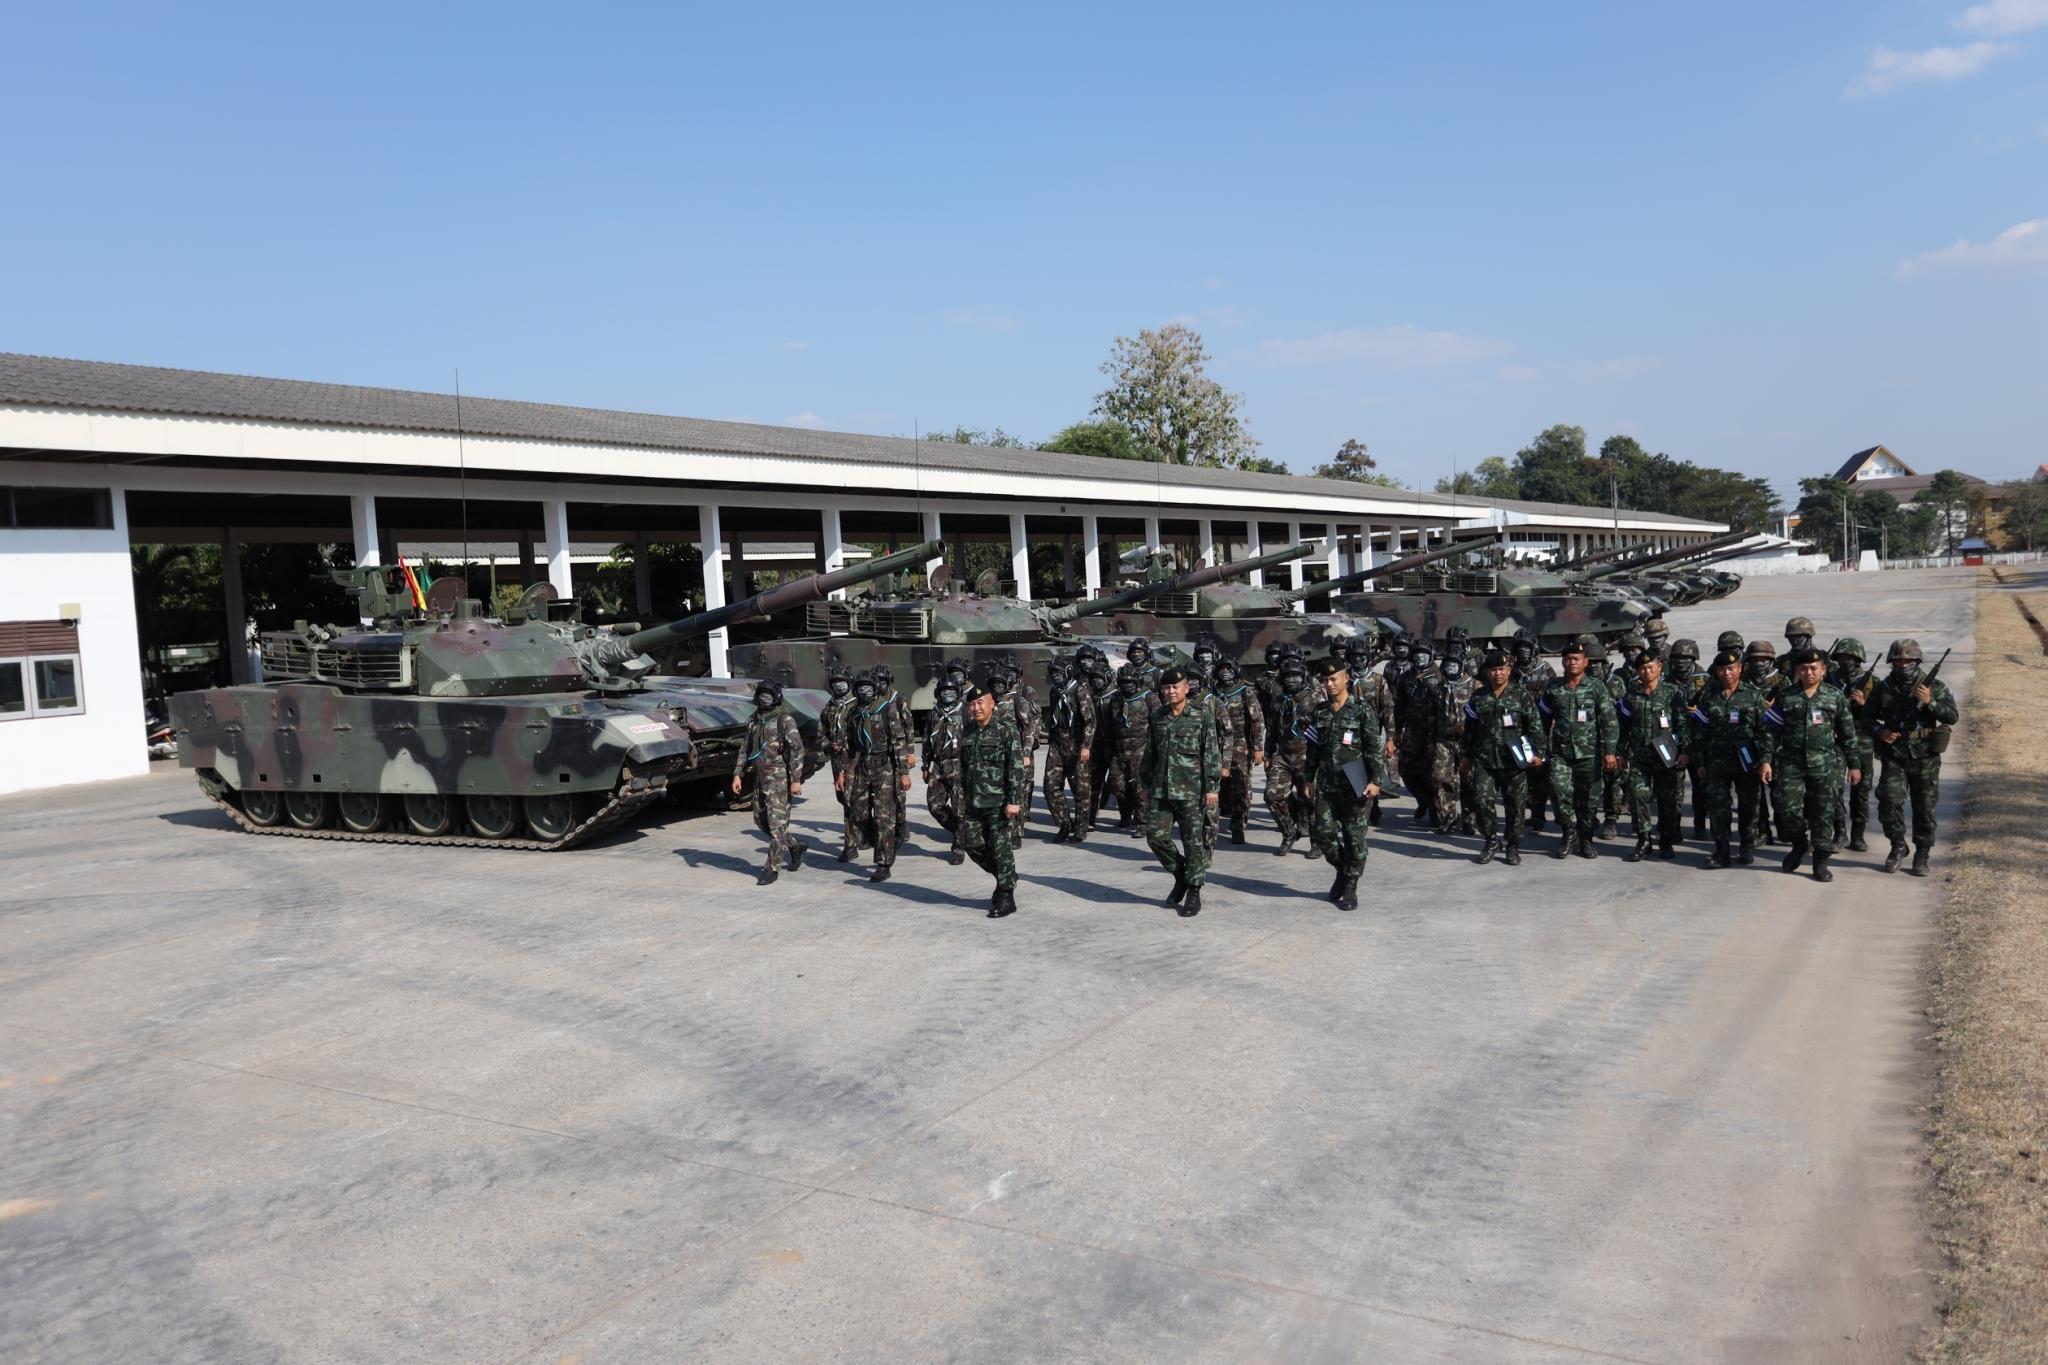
(1102, 687)
(1760, 670)
(1578, 716)
(832, 732)
(1911, 717)
(942, 762)
(1267, 685)
(1247, 746)
(1656, 637)
(1184, 773)
(1020, 704)
(1345, 746)
(1729, 641)
(882, 759)
(1287, 773)
(1458, 640)
(1402, 653)
(1810, 739)
(906, 724)
(993, 781)
(1444, 722)
(1375, 691)
(1202, 695)
(773, 753)
(1532, 673)
(1728, 747)
(1413, 741)
(1847, 674)
(1683, 672)
(1132, 712)
(1614, 789)
(1798, 634)
(1499, 745)
(1069, 750)
(1652, 720)
(1138, 662)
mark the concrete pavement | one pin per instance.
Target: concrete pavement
(267, 1099)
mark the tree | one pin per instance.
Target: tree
(1490, 478)
(1948, 496)
(968, 436)
(1159, 389)
(1260, 464)
(1555, 468)
(1110, 440)
(1821, 504)
(2026, 512)
(1354, 463)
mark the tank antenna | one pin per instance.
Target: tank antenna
(462, 479)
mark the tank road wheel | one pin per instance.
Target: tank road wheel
(361, 812)
(492, 816)
(308, 810)
(551, 817)
(263, 807)
(429, 813)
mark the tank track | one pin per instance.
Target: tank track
(633, 794)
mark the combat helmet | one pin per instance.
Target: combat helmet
(1799, 632)
(1904, 652)
(1848, 647)
(1728, 640)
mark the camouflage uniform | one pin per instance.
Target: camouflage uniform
(1809, 742)
(1346, 734)
(906, 724)
(1201, 695)
(1724, 724)
(1069, 732)
(1022, 708)
(1415, 739)
(1534, 679)
(1858, 684)
(942, 767)
(1133, 716)
(1616, 792)
(992, 776)
(1493, 722)
(1247, 738)
(1182, 765)
(1287, 770)
(1444, 721)
(773, 754)
(1646, 717)
(833, 727)
(879, 742)
(1583, 732)
(1760, 670)
(1102, 763)
(1912, 767)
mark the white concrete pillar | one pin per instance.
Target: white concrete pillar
(1254, 546)
(1091, 555)
(1151, 533)
(1294, 566)
(1208, 532)
(1334, 551)
(554, 530)
(932, 531)
(833, 545)
(643, 579)
(1020, 555)
(362, 515)
(711, 549)
(232, 606)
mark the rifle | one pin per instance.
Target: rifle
(1904, 715)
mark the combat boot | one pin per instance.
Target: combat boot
(1314, 854)
(1347, 898)
(1641, 850)
(1079, 834)
(1489, 853)
(1856, 844)
(880, 874)
(1237, 830)
(1373, 819)
(1063, 834)
(1666, 850)
(1699, 826)
(1287, 838)
(1586, 849)
(1180, 889)
(1746, 854)
(1191, 906)
(1896, 856)
(1513, 856)
(1564, 845)
(848, 852)
(1919, 867)
(1820, 868)
(768, 875)
(797, 849)
(1005, 903)
(1719, 857)
(1336, 889)
(956, 855)
(1607, 829)
(1797, 855)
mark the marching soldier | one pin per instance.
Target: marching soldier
(1202, 694)
(1247, 728)
(1346, 745)
(905, 724)
(880, 744)
(1069, 750)
(1810, 740)
(1683, 672)
(1287, 772)
(1652, 720)
(942, 792)
(1414, 741)
(1443, 720)
(1133, 716)
(994, 782)
(833, 726)
(1728, 747)
(1139, 663)
(1016, 699)
(1375, 691)
(1533, 673)
(1911, 716)
(1499, 745)
(1579, 717)
(1847, 675)
(1614, 789)
(1184, 771)
(773, 753)
(1760, 670)
(1102, 686)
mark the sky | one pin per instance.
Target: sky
(1754, 236)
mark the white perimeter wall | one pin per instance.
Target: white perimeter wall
(38, 571)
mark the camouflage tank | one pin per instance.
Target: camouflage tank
(447, 726)
(1242, 619)
(1658, 575)
(917, 635)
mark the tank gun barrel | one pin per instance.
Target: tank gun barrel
(1398, 566)
(1588, 560)
(762, 605)
(1186, 582)
(1667, 556)
(1216, 573)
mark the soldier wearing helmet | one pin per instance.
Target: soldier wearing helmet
(832, 733)
(1102, 687)
(1684, 673)
(772, 754)
(1138, 656)
(904, 723)
(1911, 714)
(1729, 641)
(1848, 675)
(1287, 753)
(1070, 722)
(942, 735)
(1760, 671)
(1021, 705)
(1798, 634)
(1413, 707)
(1131, 725)
(1810, 740)
(1657, 636)
(881, 745)
(1532, 673)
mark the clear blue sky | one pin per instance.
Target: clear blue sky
(1436, 228)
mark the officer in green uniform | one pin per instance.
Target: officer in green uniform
(1728, 745)
(1810, 740)
(1184, 771)
(1346, 745)
(1501, 732)
(1911, 717)
(994, 782)
(1847, 674)
(1578, 716)
(1652, 719)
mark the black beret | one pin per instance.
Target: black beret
(1494, 659)
(1808, 655)
(1172, 676)
(1726, 656)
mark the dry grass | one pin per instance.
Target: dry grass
(1990, 1007)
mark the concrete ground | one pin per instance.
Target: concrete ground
(268, 1099)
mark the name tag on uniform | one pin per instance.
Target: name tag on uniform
(1507, 721)
(1663, 722)
(1350, 737)
(1735, 715)
(1582, 715)
(1816, 717)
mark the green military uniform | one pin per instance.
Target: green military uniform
(1200, 694)
(1726, 726)
(1069, 733)
(1247, 738)
(1414, 739)
(1809, 742)
(1582, 733)
(1183, 766)
(881, 743)
(834, 726)
(942, 789)
(992, 777)
(1444, 718)
(1287, 771)
(773, 754)
(1103, 759)
(1493, 723)
(1912, 762)
(1645, 718)
(1131, 715)
(1616, 794)
(1341, 735)
(1846, 673)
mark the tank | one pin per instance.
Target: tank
(1659, 575)
(447, 726)
(917, 634)
(1242, 619)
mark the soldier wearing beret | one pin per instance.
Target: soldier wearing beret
(1499, 744)
(1183, 770)
(1345, 745)
(1727, 748)
(1578, 718)
(1810, 740)
(994, 780)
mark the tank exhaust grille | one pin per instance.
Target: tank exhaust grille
(285, 656)
(368, 669)
(900, 623)
(1171, 604)
(828, 618)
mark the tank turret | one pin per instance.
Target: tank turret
(1679, 552)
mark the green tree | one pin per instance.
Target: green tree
(1354, 463)
(1492, 477)
(969, 436)
(1555, 468)
(2026, 513)
(1948, 496)
(1821, 505)
(1108, 439)
(1158, 387)
(1260, 464)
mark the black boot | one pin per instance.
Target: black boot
(1641, 850)
(1287, 838)
(1796, 856)
(1820, 868)
(797, 849)
(1489, 853)
(1079, 833)
(1895, 857)
(1513, 856)
(1719, 857)
(1586, 849)
(1336, 889)
(1607, 829)
(1374, 819)
(1191, 906)
(880, 874)
(1237, 830)
(1746, 854)
(1180, 888)
(1063, 834)
(1347, 896)
(768, 875)
(956, 855)
(1666, 850)
(1699, 826)
(1313, 853)
(1856, 843)
(1564, 845)
(1005, 903)
(1919, 867)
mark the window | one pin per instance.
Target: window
(43, 509)
(39, 670)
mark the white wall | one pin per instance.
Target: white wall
(38, 571)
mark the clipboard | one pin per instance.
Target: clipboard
(1355, 773)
